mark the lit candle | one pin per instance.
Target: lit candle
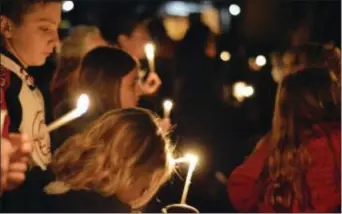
(81, 108)
(192, 160)
(150, 54)
(3, 117)
(167, 106)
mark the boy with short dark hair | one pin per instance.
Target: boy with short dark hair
(28, 35)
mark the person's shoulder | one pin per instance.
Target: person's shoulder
(325, 137)
(8, 78)
(86, 201)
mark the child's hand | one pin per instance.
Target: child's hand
(15, 153)
(152, 84)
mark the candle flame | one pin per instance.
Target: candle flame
(193, 159)
(150, 50)
(82, 104)
(168, 105)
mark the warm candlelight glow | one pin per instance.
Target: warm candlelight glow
(192, 160)
(150, 51)
(81, 108)
(242, 90)
(167, 106)
(82, 104)
(150, 54)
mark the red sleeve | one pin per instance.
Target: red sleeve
(242, 183)
(324, 177)
(4, 83)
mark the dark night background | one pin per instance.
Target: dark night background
(221, 130)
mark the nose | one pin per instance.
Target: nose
(54, 41)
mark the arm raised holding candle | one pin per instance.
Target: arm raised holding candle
(153, 82)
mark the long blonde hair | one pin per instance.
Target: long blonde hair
(123, 154)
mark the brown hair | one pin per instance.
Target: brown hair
(16, 9)
(100, 76)
(304, 98)
(123, 154)
(71, 52)
(309, 55)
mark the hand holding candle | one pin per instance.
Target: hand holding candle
(153, 81)
(150, 54)
(81, 108)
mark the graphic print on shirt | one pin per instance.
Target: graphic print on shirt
(32, 121)
(39, 129)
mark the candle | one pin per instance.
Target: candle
(150, 54)
(167, 106)
(3, 117)
(192, 160)
(81, 108)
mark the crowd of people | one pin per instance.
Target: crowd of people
(116, 156)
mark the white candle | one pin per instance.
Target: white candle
(192, 159)
(150, 55)
(81, 108)
(167, 106)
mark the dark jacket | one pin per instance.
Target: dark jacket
(82, 201)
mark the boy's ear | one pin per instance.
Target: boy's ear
(6, 27)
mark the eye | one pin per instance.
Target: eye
(44, 29)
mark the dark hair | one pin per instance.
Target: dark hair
(16, 9)
(111, 27)
(309, 55)
(196, 38)
(305, 99)
(100, 76)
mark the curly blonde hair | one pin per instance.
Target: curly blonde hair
(123, 154)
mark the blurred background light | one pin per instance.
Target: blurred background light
(225, 56)
(67, 6)
(234, 9)
(242, 90)
(176, 27)
(260, 60)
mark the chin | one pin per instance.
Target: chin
(39, 62)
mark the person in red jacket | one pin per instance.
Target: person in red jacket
(296, 167)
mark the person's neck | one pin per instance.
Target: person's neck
(12, 51)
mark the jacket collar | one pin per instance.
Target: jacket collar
(5, 52)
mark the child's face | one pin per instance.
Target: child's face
(129, 89)
(34, 39)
